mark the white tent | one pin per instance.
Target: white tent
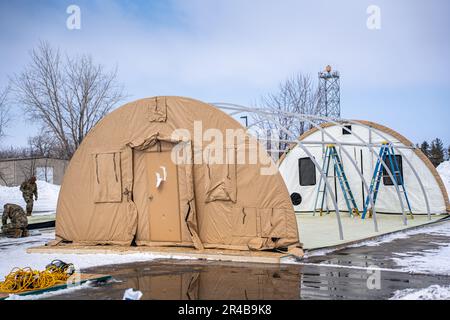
(358, 144)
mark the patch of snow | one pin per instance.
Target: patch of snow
(34, 235)
(368, 243)
(49, 294)
(340, 266)
(434, 292)
(433, 261)
(444, 171)
(318, 252)
(47, 197)
(442, 229)
(438, 229)
(13, 254)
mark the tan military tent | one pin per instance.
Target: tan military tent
(134, 180)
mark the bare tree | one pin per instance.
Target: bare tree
(4, 111)
(4, 120)
(14, 152)
(43, 145)
(4, 179)
(28, 168)
(67, 96)
(297, 94)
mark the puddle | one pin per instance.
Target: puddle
(409, 264)
(196, 280)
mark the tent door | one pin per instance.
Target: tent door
(163, 197)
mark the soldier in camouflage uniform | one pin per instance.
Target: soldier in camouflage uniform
(18, 226)
(29, 188)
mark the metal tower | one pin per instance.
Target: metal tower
(329, 93)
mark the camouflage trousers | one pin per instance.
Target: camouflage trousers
(29, 201)
(15, 231)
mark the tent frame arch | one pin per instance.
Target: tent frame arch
(338, 122)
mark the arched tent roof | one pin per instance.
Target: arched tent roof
(110, 196)
(390, 132)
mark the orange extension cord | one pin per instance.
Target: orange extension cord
(26, 279)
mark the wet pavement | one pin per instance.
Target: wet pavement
(383, 255)
(342, 274)
(188, 280)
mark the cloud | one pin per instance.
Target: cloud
(254, 43)
(234, 50)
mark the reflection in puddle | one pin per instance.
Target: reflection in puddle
(205, 280)
(341, 274)
(219, 284)
(186, 280)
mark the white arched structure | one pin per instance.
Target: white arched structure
(428, 194)
(424, 187)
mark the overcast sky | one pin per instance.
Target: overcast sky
(237, 50)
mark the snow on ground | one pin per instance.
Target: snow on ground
(13, 254)
(434, 292)
(47, 197)
(318, 252)
(444, 172)
(13, 251)
(437, 229)
(50, 294)
(435, 261)
(432, 261)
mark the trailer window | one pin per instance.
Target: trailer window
(387, 181)
(348, 131)
(307, 172)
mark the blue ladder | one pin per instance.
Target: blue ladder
(331, 153)
(386, 153)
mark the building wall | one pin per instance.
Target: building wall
(14, 171)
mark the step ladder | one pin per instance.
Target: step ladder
(332, 154)
(387, 154)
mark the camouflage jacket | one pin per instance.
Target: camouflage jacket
(16, 214)
(29, 188)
